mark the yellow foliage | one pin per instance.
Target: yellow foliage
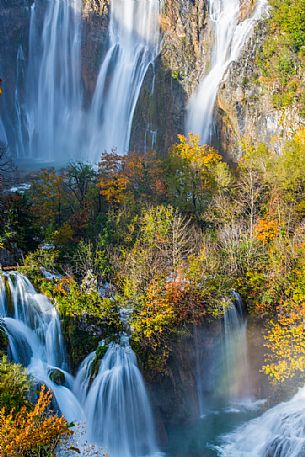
(113, 188)
(32, 433)
(286, 344)
(198, 156)
(265, 230)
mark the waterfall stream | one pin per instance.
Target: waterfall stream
(133, 46)
(116, 404)
(113, 405)
(230, 36)
(52, 124)
(236, 379)
(280, 432)
(53, 100)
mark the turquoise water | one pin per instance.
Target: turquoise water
(198, 438)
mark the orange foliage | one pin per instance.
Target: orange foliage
(266, 230)
(32, 433)
(120, 176)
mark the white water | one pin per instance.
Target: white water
(236, 382)
(133, 46)
(230, 36)
(280, 432)
(114, 405)
(53, 103)
(35, 338)
(52, 124)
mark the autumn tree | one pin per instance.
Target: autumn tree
(194, 173)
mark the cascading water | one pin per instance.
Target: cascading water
(236, 379)
(35, 339)
(133, 46)
(230, 36)
(52, 124)
(280, 432)
(116, 402)
(114, 405)
(52, 106)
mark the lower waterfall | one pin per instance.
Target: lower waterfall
(280, 432)
(114, 406)
(236, 366)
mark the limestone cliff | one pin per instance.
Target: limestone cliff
(14, 30)
(244, 105)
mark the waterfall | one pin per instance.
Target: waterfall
(280, 432)
(230, 36)
(113, 404)
(52, 125)
(35, 338)
(133, 46)
(116, 404)
(53, 82)
(236, 380)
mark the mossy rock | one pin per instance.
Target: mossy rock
(57, 376)
(3, 340)
(96, 362)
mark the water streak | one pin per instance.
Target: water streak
(230, 36)
(133, 46)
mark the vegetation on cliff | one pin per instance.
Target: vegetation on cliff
(282, 59)
(170, 240)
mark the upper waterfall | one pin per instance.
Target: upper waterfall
(133, 46)
(230, 36)
(52, 123)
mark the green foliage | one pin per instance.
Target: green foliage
(14, 386)
(282, 57)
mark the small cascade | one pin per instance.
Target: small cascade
(115, 401)
(280, 432)
(133, 47)
(230, 36)
(35, 338)
(235, 378)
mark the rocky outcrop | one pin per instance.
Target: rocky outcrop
(14, 30)
(184, 56)
(244, 106)
(95, 20)
(186, 40)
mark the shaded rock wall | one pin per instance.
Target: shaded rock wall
(14, 30)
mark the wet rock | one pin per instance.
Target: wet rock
(57, 376)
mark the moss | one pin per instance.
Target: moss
(79, 342)
(57, 376)
(9, 298)
(3, 340)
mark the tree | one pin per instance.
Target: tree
(192, 174)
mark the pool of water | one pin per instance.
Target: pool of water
(199, 438)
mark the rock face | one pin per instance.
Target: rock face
(95, 18)
(244, 108)
(14, 30)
